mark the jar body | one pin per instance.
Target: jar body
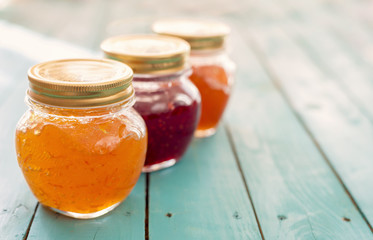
(81, 162)
(170, 106)
(213, 74)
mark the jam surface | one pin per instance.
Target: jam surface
(171, 113)
(80, 164)
(213, 84)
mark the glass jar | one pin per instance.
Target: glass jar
(81, 146)
(213, 70)
(165, 97)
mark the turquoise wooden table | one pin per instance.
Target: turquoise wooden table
(293, 158)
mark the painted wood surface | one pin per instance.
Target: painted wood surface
(326, 91)
(294, 191)
(295, 145)
(202, 197)
(17, 204)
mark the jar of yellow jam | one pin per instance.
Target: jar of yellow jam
(81, 146)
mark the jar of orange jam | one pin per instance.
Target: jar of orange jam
(81, 146)
(212, 68)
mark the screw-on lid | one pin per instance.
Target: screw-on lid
(148, 54)
(201, 35)
(80, 82)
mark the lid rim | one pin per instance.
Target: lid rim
(59, 82)
(81, 103)
(203, 34)
(171, 58)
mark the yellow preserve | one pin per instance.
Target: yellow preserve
(81, 145)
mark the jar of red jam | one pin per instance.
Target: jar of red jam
(165, 97)
(212, 68)
(81, 146)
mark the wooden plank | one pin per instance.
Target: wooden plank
(124, 222)
(202, 196)
(17, 204)
(338, 44)
(355, 37)
(316, 93)
(349, 62)
(295, 193)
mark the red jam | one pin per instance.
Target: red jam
(165, 97)
(171, 111)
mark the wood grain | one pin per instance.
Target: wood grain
(338, 44)
(327, 90)
(295, 193)
(291, 124)
(202, 196)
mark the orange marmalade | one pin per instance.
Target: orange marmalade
(81, 148)
(212, 68)
(214, 86)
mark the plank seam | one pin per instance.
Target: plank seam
(274, 79)
(234, 150)
(31, 221)
(147, 207)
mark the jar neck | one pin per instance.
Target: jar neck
(79, 111)
(208, 52)
(176, 76)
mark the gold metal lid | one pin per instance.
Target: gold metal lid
(80, 82)
(148, 54)
(201, 35)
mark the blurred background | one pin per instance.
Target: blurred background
(301, 116)
(88, 22)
